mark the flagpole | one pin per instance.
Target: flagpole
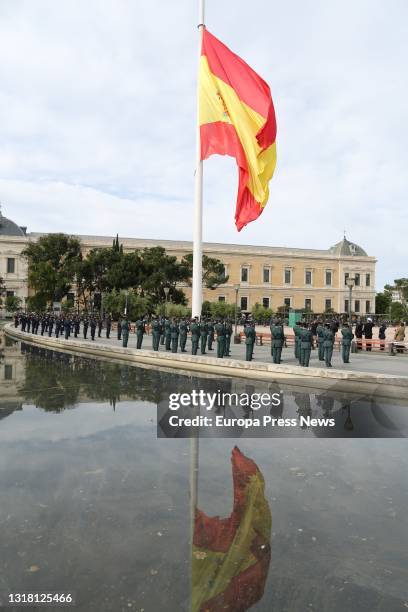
(197, 292)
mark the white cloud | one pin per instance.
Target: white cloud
(97, 102)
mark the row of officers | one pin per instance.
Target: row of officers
(172, 334)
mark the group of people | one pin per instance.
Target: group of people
(172, 333)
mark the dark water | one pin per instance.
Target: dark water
(92, 503)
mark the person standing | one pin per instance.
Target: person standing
(85, 327)
(359, 334)
(382, 335)
(306, 343)
(92, 325)
(296, 331)
(67, 327)
(400, 336)
(119, 329)
(277, 340)
(210, 327)
(183, 328)
(219, 328)
(50, 325)
(328, 344)
(346, 342)
(167, 334)
(203, 336)
(249, 331)
(174, 333)
(99, 323)
(195, 335)
(320, 339)
(77, 326)
(140, 331)
(125, 326)
(108, 326)
(368, 332)
(228, 334)
(156, 332)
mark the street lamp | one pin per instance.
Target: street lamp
(236, 287)
(350, 282)
(166, 293)
(126, 303)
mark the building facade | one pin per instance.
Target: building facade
(304, 279)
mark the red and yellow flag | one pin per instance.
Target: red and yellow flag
(237, 118)
(231, 556)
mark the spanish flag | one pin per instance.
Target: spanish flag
(237, 118)
(231, 556)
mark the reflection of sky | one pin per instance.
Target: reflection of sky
(100, 506)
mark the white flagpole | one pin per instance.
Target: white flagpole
(197, 292)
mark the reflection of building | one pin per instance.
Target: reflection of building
(272, 276)
(12, 373)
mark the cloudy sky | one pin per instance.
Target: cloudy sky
(97, 107)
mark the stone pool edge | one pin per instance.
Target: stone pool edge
(389, 386)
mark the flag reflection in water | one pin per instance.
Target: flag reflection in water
(231, 556)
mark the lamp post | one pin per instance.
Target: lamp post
(236, 287)
(166, 293)
(350, 282)
(126, 303)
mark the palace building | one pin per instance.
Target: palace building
(304, 279)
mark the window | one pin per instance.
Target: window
(328, 278)
(346, 277)
(308, 277)
(266, 275)
(368, 280)
(327, 304)
(244, 303)
(287, 302)
(346, 305)
(9, 293)
(356, 305)
(308, 304)
(221, 298)
(265, 302)
(11, 265)
(244, 274)
(368, 306)
(8, 372)
(288, 276)
(357, 279)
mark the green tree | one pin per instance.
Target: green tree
(383, 302)
(260, 314)
(160, 270)
(37, 302)
(398, 311)
(213, 271)
(52, 263)
(13, 303)
(115, 303)
(222, 309)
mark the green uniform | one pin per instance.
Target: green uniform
(195, 335)
(140, 330)
(277, 341)
(125, 332)
(328, 343)
(228, 334)
(167, 334)
(249, 332)
(183, 328)
(119, 330)
(306, 343)
(346, 343)
(320, 341)
(174, 333)
(220, 330)
(156, 331)
(203, 336)
(162, 330)
(210, 327)
(296, 331)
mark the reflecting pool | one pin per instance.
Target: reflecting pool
(94, 504)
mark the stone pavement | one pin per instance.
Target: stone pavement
(374, 361)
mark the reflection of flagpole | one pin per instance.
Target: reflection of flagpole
(197, 291)
(194, 452)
